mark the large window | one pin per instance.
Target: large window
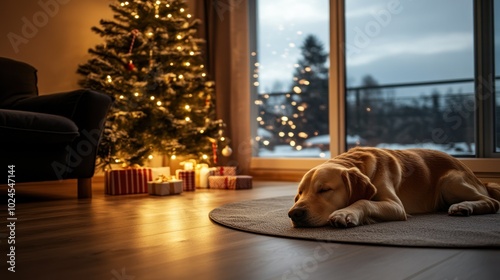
(290, 78)
(414, 74)
(410, 74)
(497, 79)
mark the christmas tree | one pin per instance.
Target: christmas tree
(152, 64)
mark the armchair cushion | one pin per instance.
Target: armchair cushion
(24, 127)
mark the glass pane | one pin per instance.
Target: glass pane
(290, 78)
(410, 70)
(496, 16)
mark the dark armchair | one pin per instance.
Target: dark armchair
(48, 137)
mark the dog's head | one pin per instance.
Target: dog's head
(326, 188)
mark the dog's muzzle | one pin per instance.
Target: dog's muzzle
(298, 215)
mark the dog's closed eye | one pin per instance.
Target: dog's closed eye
(324, 190)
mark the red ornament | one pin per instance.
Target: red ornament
(131, 66)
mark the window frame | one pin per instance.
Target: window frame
(486, 164)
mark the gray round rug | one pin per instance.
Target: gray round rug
(269, 216)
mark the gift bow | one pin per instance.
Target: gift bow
(162, 178)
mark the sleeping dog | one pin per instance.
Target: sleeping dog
(369, 185)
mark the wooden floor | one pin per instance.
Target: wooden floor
(146, 237)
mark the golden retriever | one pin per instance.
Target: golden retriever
(369, 185)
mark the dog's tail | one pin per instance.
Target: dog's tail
(493, 190)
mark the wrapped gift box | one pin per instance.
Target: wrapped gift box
(188, 179)
(224, 170)
(127, 181)
(160, 171)
(230, 182)
(170, 187)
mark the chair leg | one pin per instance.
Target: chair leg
(84, 187)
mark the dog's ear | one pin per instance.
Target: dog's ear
(358, 185)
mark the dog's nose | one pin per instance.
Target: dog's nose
(297, 214)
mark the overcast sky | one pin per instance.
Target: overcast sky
(393, 41)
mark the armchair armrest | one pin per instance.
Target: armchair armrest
(85, 108)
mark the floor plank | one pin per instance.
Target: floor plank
(148, 237)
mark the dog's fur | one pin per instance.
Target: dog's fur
(369, 185)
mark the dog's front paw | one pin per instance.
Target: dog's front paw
(459, 209)
(343, 218)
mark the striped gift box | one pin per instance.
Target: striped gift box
(127, 181)
(188, 179)
(239, 182)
